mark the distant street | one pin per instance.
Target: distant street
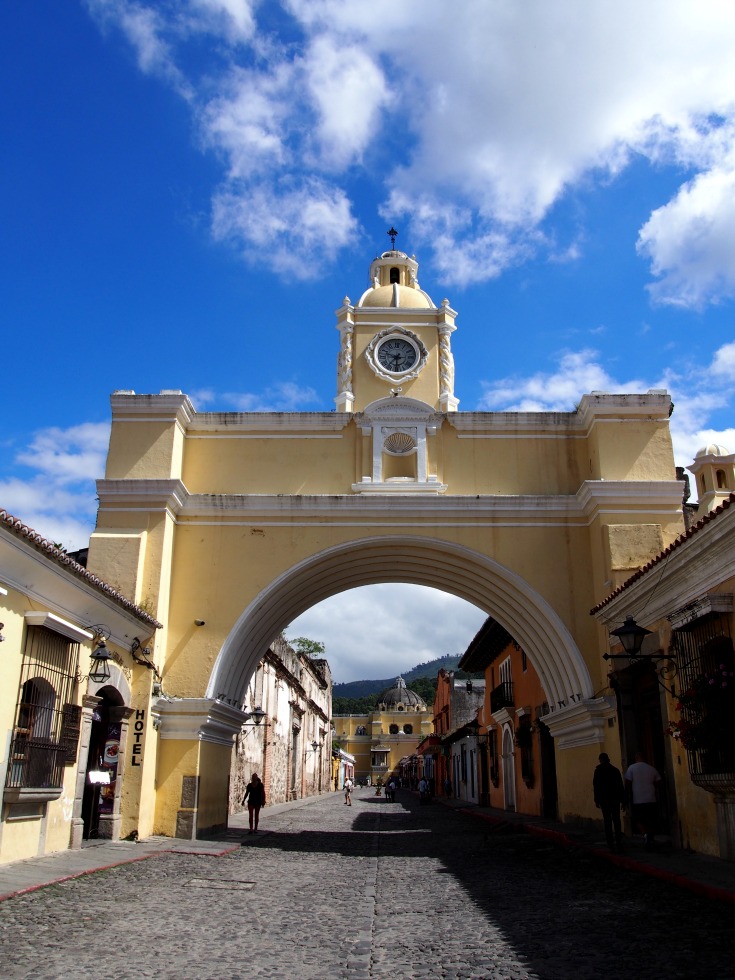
(375, 890)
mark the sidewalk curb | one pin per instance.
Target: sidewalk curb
(114, 864)
(712, 892)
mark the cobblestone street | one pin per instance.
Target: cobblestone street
(377, 890)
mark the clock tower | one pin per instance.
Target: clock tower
(395, 341)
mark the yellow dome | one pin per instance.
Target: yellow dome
(397, 296)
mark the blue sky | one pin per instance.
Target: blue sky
(181, 179)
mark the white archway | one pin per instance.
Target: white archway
(461, 571)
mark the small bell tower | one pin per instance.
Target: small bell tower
(395, 340)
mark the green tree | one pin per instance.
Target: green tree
(310, 648)
(425, 687)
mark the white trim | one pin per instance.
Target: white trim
(198, 719)
(58, 625)
(580, 723)
(471, 575)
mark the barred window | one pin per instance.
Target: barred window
(707, 694)
(47, 721)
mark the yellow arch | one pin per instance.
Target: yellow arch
(418, 561)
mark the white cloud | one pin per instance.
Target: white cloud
(58, 498)
(486, 113)
(691, 242)
(348, 91)
(68, 455)
(145, 29)
(696, 395)
(298, 228)
(380, 630)
(723, 363)
(283, 397)
(232, 18)
(554, 391)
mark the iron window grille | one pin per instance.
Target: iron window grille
(704, 653)
(47, 721)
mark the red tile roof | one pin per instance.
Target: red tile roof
(16, 526)
(677, 543)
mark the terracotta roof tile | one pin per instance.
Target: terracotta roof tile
(16, 526)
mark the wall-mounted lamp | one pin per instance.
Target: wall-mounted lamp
(2, 627)
(100, 669)
(631, 637)
(257, 715)
(315, 746)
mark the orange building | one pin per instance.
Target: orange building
(451, 752)
(516, 763)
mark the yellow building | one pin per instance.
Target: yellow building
(71, 743)
(676, 694)
(242, 521)
(380, 739)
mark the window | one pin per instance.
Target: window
(408, 729)
(707, 694)
(47, 722)
(393, 729)
(395, 275)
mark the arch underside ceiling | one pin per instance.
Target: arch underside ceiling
(460, 571)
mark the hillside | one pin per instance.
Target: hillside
(363, 689)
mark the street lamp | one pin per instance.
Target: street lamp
(257, 715)
(100, 669)
(631, 637)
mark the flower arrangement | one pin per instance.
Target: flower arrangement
(705, 707)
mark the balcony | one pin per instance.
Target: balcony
(501, 696)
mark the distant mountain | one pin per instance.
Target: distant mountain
(363, 689)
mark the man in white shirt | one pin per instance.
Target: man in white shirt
(641, 783)
(348, 791)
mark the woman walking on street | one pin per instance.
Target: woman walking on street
(255, 799)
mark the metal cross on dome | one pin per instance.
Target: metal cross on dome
(392, 233)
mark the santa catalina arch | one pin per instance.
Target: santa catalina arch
(226, 526)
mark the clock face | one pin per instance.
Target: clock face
(396, 355)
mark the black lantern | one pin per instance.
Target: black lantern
(631, 636)
(100, 671)
(257, 715)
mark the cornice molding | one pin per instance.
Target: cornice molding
(198, 719)
(581, 723)
(168, 406)
(253, 424)
(154, 495)
(594, 409)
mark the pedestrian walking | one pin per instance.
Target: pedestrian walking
(642, 782)
(447, 786)
(255, 799)
(423, 790)
(609, 792)
(390, 791)
(348, 791)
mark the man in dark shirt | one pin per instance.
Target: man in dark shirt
(609, 790)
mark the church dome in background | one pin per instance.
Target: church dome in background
(712, 449)
(398, 695)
